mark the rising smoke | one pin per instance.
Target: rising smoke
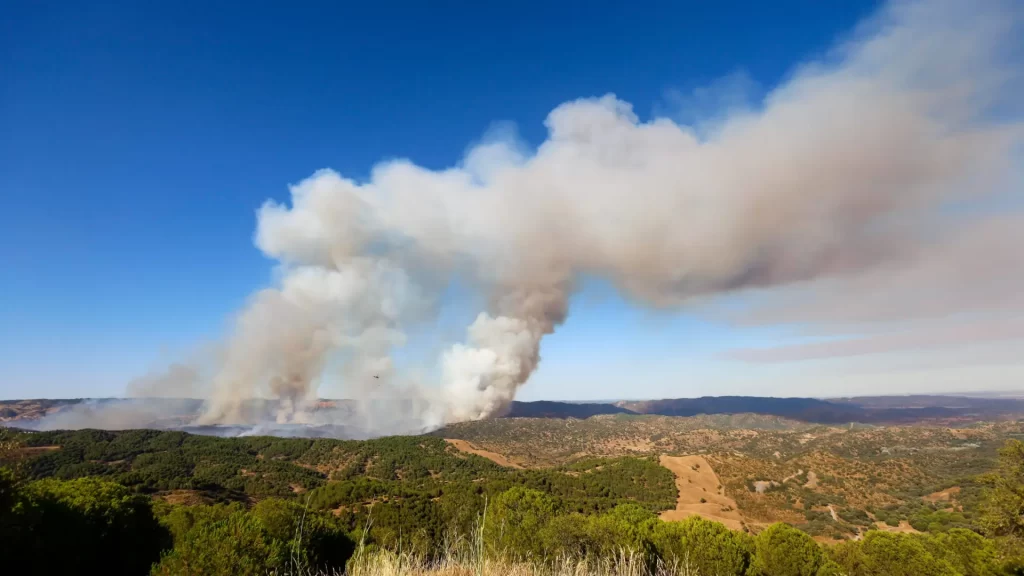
(847, 168)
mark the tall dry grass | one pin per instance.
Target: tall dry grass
(469, 557)
(624, 564)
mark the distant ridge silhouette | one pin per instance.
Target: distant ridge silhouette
(870, 410)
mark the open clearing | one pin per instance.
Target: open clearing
(903, 527)
(696, 480)
(184, 497)
(942, 495)
(30, 451)
(469, 448)
(792, 476)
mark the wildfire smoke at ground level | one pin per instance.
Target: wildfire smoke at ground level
(843, 176)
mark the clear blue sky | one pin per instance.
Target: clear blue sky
(138, 138)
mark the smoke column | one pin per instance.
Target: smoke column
(846, 168)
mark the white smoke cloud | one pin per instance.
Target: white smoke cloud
(843, 172)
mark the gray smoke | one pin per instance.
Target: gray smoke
(847, 169)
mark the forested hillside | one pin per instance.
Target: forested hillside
(172, 503)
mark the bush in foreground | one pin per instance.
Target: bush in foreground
(54, 527)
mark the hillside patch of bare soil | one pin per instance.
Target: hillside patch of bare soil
(697, 481)
(469, 448)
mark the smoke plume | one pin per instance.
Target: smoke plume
(849, 167)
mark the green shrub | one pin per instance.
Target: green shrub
(239, 545)
(969, 553)
(705, 546)
(313, 539)
(83, 525)
(890, 554)
(514, 520)
(781, 550)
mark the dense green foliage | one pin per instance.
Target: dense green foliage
(707, 546)
(85, 506)
(55, 527)
(898, 554)
(258, 467)
(785, 551)
(417, 489)
(1004, 503)
(158, 460)
(274, 535)
(239, 544)
(89, 525)
(408, 493)
(422, 513)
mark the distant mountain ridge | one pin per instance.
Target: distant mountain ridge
(868, 409)
(873, 410)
